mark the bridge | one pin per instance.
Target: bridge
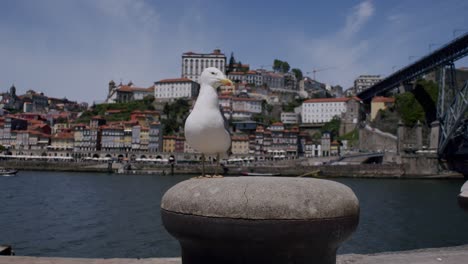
(452, 104)
(443, 56)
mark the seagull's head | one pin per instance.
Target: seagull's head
(214, 77)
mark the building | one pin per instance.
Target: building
(240, 145)
(62, 141)
(323, 110)
(350, 118)
(273, 80)
(112, 138)
(10, 100)
(39, 101)
(169, 144)
(80, 136)
(290, 118)
(380, 103)
(193, 63)
(127, 93)
(325, 144)
(171, 89)
(275, 142)
(95, 133)
(252, 78)
(239, 108)
(179, 145)
(155, 139)
(12, 124)
(363, 82)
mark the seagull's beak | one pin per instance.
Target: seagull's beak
(226, 82)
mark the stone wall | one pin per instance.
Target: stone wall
(372, 139)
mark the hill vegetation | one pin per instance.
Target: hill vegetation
(125, 110)
(408, 109)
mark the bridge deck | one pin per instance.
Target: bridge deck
(452, 51)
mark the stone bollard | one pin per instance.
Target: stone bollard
(259, 219)
(463, 197)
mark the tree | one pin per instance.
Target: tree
(333, 127)
(277, 65)
(232, 61)
(298, 73)
(410, 109)
(285, 67)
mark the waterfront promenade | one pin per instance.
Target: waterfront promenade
(448, 255)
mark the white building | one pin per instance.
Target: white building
(312, 150)
(239, 108)
(363, 82)
(170, 89)
(194, 63)
(250, 77)
(323, 110)
(289, 118)
(249, 105)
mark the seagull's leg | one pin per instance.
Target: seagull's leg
(203, 165)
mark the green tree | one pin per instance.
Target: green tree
(232, 61)
(298, 73)
(277, 65)
(285, 67)
(409, 108)
(333, 126)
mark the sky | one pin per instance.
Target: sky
(72, 49)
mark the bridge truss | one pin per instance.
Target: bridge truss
(452, 107)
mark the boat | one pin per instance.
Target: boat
(8, 172)
(246, 173)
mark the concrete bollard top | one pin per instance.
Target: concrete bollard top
(259, 198)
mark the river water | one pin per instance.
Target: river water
(106, 215)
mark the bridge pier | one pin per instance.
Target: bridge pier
(434, 140)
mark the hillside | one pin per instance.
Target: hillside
(125, 110)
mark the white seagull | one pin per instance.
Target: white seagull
(204, 128)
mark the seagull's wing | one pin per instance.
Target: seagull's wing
(226, 126)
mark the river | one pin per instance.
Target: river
(108, 216)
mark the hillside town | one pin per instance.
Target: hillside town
(277, 114)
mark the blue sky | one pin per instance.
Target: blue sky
(72, 49)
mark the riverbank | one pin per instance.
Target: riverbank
(447, 255)
(293, 169)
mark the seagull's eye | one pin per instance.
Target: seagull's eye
(213, 73)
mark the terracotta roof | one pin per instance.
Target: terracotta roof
(382, 99)
(331, 100)
(277, 124)
(175, 80)
(245, 99)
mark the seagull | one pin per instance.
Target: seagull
(205, 129)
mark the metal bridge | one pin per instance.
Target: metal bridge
(452, 105)
(443, 56)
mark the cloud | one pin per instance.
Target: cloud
(357, 18)
(74, 48)
(340, 52)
